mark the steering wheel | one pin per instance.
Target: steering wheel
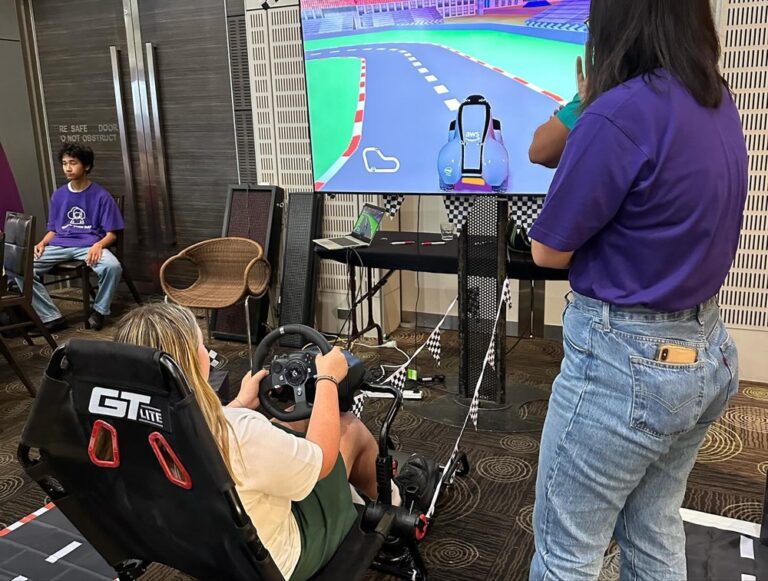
(292, 371)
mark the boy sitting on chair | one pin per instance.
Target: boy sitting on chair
(82, 221)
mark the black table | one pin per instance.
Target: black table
(441, 259)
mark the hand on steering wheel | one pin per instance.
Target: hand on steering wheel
(333, 363)
(248, 396)
(294, 371)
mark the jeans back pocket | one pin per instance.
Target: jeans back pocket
(667, 399)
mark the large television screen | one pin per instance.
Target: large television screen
(433, 96)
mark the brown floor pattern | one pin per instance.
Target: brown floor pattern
(483, 530)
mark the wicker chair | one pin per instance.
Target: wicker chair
(229, 269)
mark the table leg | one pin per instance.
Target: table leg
(525, 308)
(368, 296)
(372, 324)
(538, 304)
(353, 291)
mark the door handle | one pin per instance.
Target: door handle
(169, 232)
(114, 55)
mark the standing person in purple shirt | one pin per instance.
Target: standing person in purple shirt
(645, 208)
(82, 221)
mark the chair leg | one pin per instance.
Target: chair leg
(16, 369)
(39, 324)
(85, 282)
(131, 287)
(27, 339)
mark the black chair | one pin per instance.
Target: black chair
(4, 349)
(17, 255)
(79, 270)
(124, 451)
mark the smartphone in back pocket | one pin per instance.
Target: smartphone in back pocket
(676, 354)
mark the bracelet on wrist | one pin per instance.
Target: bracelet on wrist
(330, 378)
(241, 404)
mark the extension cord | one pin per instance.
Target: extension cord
(407, 394)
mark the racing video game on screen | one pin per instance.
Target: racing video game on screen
(431, 96)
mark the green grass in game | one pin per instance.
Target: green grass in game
(333, 90)
(333, 82)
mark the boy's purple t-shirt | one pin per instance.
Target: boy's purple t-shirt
(82, 218)
(649, 194)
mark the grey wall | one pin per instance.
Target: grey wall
(16, 133)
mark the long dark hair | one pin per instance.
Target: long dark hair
(628, 38)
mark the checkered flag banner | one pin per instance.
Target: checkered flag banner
(506, 294)
(397, 379)
(458, 208)
(358, 404)
(490, 357)
(392, 203)
(474, 408)
(525, 209)
(433, 345)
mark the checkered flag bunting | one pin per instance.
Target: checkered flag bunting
(397, 379)
(506, 294)
(474, 407)
(392, 203)
(433, 345)
(491, 355)
(358, 404)
(525, 209)
(458, 208)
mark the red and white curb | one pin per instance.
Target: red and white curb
(357, 133)
(522, 81)
(554, 96)
(30, 517)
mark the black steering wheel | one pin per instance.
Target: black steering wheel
(293, 371)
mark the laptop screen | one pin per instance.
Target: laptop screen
(368, 223)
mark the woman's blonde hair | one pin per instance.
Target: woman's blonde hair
(173, 329)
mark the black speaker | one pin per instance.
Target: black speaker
(297, 293)
(254, 212)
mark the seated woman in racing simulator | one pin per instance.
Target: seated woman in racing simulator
(288, 482)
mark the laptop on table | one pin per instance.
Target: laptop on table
(362, 234)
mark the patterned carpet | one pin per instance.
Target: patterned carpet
(483, 530)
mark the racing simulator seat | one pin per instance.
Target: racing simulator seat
(117, 440)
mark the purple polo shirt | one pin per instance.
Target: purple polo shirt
(649, 194)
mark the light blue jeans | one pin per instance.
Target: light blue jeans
(621, 437)
(108, 270)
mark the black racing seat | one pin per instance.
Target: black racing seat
(117, 440)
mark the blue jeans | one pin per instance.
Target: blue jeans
(621, 437)
(108, 270)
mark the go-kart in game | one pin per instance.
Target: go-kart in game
(436, 96)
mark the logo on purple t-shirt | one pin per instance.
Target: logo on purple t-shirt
(76, 217)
